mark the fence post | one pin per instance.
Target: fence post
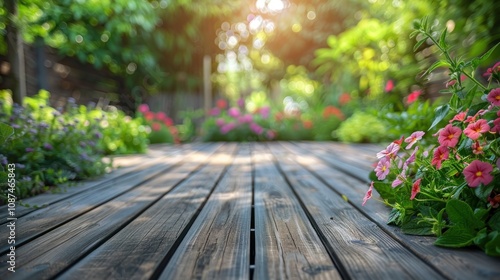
(15, 54)
(207, 82)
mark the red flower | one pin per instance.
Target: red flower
(149, 116)
(161, 116)
(221, 104)
(440, 154)
(493, 71)
(478, 172)
(168, 121)
(389, 86)
(413, 96)
(344, 98)
(449, 136)
(476, 129)
(415, 189)
(156, 126)
(399, 141)
(307, 124)
(332, 111)
(368, 194)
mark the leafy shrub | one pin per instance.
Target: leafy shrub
(362, 127)
(50, 146)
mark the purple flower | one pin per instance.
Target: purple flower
(241, 102)
(227, 127)
(264, 112)
(16, 126)
(43, 125)
(47, 146)
(3, 160)
(29, 150)
(220, 122)
(98, 135)
(84, 156)
(245, 118)
(257, 129)
(233, 112)
(214, 112)
(20, 166)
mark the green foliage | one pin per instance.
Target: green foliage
(419, 116)
(362, 127)
(50, 147)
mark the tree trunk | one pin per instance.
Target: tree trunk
(15, 54)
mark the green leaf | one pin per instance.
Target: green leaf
(441, 113)
(442, 38)
(437, 64)
(418, 44)
(483, 192)
(456, 237)
(394, 217)
(385, 190)
(462, 216)
(477, 61)
(5, 132)
(494, 221)
(417, 227)
(492, 248)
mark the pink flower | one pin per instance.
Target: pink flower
(478, 172)
(227, 128)
(415, 189)
(451, 83)
(440, 154)
(149, 116)
(161, 116)
(220, 122)
(460, 116)
(143, 108)
(414, 137)
(382, 168)
(494, 97)
(412, 97)
(257, 129)
(412, 157)
(496, 126)
(233, 112)
(399, 180)
(214, 112)
(247, 118)
(368, 194)
(389, 86)
(241, 103)
(168, 121)
(449, 136)
(476, 129)
(389, 152)
(493, 71)
(270, 134)
(264, 112)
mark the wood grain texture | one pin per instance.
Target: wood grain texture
(133, 163)
(217, 245)
(363, 249)
(49, 254)
(287, 246)
(149, 238)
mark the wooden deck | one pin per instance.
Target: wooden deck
(228, 211)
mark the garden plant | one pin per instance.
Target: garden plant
(449, 185)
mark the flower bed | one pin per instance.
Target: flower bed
(449, 185)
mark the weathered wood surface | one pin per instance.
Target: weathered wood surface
(278, 210)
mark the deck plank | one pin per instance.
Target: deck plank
(123, 166)
(217, 245)
(51, 253)
(287, 246)
(152, 236)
